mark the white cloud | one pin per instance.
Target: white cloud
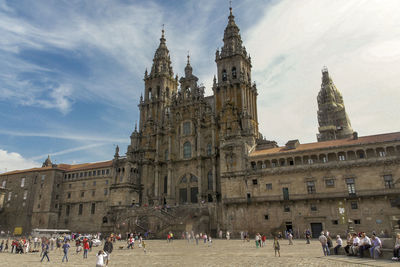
(10, 161)
(357, 40)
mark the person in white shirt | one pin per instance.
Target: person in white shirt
(354, 248)
(100, 259)
(339, 243)
(365, 244)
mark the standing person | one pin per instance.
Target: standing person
(65, 247)
(205, 238)
(209, 240)
(276, 246)
(108, 248)
(339, 243)
(85, 248)
(100, 258)
(220, 234)
(197, 239)
(45, 246)
(257, 240)
(396, 249)
(324, 243)
(6, 246)
(308, 236)
(1, 245)
(290, 238)
(228, 235)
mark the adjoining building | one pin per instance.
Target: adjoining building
(199, 162)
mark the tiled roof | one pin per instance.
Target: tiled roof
(363, 140)
(65, 167)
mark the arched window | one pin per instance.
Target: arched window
(234, 72)
(209, 149)
(210, 180)
(193, 179)
(224, 76)
(183, 180)
(166, 154)
(187, 150)
(165, 184)
(105, 220)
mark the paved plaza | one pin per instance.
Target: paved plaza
(182, 253)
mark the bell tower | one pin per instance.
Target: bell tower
(235, 94)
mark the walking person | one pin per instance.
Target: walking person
(308, 236)
(290, 238)
(324, 243)
(45, 246)
(108, 248)
(65, 247)
(339, 243)
(276, 246)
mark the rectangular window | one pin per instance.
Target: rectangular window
(255, 182)
(388, 181)
(393, 203)
(56, 206)
(382, 153)
(266, 217)
(82, 194)
(310, 161)
(56, 196)
(94, 173)
(330, 182)
(335, 222)
(186, 128)
(354, 205)
(86, 174)
(70, 186)
(67, 208)
(93, 193)
(43, 176)
(209, 149)
(342, 157)
(22, 182)
(313, 207)
(98, 172)
(286, 208)
(358, 221)
(68, 195)
(268, 186)
(105, 191)
(25, 194)
(73, 175)
(93, 209)
(80, 211)
(248, 196)
(69, 176)
(351, 188)
(90, 173)
(311, 187)
(285, 191)
(81, 174)
(108, 171)
(103, 172)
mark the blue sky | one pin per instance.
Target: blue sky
(71, 71)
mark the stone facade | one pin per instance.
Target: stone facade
(199, 162)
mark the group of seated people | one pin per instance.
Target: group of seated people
(359, 244)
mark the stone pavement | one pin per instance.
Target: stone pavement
(182, 253)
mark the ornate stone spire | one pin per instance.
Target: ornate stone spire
(232, 39)
(47, 162)
(188, 68)
(162, 60)
(332, 117)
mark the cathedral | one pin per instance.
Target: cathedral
(199, 163)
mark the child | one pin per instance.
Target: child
(276, 246)
(100, 259)
(144, 246)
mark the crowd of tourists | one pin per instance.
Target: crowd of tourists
(358, 245)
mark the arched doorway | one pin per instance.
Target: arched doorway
(188, 189)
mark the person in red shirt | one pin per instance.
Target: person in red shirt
(85, 248)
